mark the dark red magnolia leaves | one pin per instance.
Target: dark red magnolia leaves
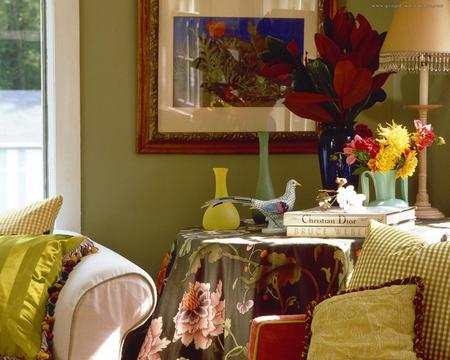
(360, 32)
(350, 84)
(342, 27)
(278, 71)
(379, 80)
(307, 105)
(351, 40)
(359, 90)
(327, 49)
(368, 53)
(310, 98)
(344, 75)
(350, 52)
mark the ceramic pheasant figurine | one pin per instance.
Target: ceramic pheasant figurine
(273, 209)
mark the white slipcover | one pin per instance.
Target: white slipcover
(105, 297)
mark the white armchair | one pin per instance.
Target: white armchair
(105, 297)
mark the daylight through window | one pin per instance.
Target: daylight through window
(21, 104)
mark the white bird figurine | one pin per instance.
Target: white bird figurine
(273, 209)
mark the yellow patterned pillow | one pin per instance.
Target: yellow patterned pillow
(389, 253)
(35, 219)
(373, 324)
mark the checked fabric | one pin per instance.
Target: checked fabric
(35, 219)
(388, 254)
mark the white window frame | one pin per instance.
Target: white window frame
(63, 109)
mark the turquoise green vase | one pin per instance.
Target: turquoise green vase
(264, 187)
(385, 192)
(224, 216)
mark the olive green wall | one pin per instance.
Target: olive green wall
(136, 204)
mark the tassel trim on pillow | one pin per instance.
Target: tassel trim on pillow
(68, 264)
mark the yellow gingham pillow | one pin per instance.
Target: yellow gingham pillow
(35, 219)
(389, 253)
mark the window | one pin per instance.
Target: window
(187, 79)
(39, 168)
(21, 103)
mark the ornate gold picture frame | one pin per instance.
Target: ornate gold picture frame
(152, 138)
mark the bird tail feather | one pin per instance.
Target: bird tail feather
(246, 201)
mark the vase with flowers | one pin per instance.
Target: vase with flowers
(333, 88)
(390, 156)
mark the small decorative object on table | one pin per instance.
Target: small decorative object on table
(273, 209)
(225, 217)
(334, 88)
(346, 197)
(393, 155)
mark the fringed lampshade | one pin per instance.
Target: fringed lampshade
(419, 34)
(419, 40)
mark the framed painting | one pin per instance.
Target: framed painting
(201, 81)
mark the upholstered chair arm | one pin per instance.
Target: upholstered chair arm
(105, 297)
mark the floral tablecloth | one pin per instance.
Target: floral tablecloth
(213, 283)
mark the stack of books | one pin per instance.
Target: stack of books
(336, 223)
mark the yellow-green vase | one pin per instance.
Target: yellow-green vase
(224, 216)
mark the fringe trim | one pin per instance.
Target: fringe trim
(412, 61)
(69, 262)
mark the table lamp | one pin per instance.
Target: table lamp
(418, 40)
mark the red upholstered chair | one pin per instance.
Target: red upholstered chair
(277, 337)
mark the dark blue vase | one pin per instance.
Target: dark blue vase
(331, 158)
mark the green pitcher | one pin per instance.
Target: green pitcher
(384, 184)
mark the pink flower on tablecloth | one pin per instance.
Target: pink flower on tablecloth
(200, 315)
(244, 307)
(153, 344)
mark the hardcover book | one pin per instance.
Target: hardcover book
(336, 217)
(339, 231)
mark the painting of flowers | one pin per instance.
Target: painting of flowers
(217, 62)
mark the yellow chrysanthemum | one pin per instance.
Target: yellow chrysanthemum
(409, 166)
(372, 164)
(386, 159)
(394, 136)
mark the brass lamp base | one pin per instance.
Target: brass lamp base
(428, 213)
